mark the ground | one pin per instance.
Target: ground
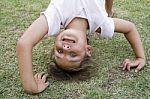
(110, 82)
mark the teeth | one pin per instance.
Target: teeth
(68, 40)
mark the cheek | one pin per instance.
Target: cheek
(58, 39)
(82, 44)
(57, 45)
(80, 49)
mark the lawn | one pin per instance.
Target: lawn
(109, 81)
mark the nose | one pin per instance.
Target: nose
(66, 47)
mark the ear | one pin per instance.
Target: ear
(89, 50)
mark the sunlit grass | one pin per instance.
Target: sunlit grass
(108, 83)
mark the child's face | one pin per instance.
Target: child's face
(70, 49)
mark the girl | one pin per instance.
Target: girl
(71, 48)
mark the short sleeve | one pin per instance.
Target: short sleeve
(53, 20)
(107, 28)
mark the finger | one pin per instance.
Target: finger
(36, 75)
(46, 84)
(44, 77)
(139, 67)
(121, 65)
(128, 67)
(125, 65)
(40, 75)
(127, 61)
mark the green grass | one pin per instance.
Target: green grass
(109, 82)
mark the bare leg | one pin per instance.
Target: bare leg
(109, 7)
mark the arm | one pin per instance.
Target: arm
(38, 29)
(109, 7)
(133, 37)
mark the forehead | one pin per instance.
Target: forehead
(67, 64)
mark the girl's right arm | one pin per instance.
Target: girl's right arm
(32, 84)
(131, 34)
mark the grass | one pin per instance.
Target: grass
(110, 82)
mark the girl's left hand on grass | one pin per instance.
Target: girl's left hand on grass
(40, 79)
(138, 64)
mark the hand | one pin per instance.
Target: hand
(138, 63)
(40, 79)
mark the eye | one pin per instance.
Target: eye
(60, 51)
(73, 54)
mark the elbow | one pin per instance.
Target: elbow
(131, 30)
(22, 45)
(19, 47)
(132, 27)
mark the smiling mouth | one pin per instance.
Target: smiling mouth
(68, 40)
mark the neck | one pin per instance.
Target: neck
(80, 24)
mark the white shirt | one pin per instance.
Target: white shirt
(63, 11)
